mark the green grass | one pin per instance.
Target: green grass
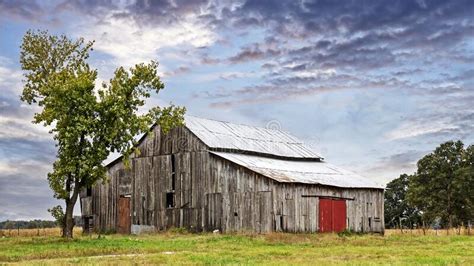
(173, 248)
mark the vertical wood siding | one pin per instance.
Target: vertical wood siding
(213, 193)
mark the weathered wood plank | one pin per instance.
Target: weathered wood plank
(212, 193)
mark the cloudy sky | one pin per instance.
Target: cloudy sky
(371, 85)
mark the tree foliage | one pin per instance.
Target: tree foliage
(58, 214)
(397, 210)
(87, 122)
(443, 185)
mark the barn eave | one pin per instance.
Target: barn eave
(299, 171)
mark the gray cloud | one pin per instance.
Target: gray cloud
(404, 162)
(24, 190)
(352, 16)
(332, 46)
(348, 35)
(255, 52)
(25, 195)
(160, 12)
(178, 71)
(23, 9)
(281, 87)
(26, 154)
(17, 149)
(86, 6)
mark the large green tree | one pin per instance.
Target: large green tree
(86, 122)
(397, 209)
(443, 185)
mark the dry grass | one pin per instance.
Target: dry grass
(430, 232)
(274, 237)
(56, 231)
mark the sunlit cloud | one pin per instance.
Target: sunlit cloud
(128, 41)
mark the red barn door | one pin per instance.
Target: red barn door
(339, 215)
(325, 215)
(332, 215)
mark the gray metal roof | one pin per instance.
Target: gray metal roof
(288, 157)
(307, 172)
(228, 136)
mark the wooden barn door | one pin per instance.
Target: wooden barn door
(339, 215)
(325, 215)
(265, 211)
(332, 215)
(213, 212)
(124, 218)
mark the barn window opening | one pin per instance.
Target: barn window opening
(88, 224)
(173, 172)
(89, 192)
(236, 214)
(170, 200)
(143, 205)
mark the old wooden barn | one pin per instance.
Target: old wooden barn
(210, 175)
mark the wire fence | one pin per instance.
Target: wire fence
(433, 232)
(55, 231)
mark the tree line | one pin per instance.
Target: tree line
(440, 194)
(27, 224)
(33, 224)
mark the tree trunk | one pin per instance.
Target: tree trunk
(450, 223)
(68, 216)
(68, 220)
(400, 223)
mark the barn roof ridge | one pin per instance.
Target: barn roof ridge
(238, 124)
(239, 137)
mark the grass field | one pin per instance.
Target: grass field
(275, 248)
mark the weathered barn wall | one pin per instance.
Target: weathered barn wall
(147, 182)
(299, 206)
(211, 193)
(256, 203)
